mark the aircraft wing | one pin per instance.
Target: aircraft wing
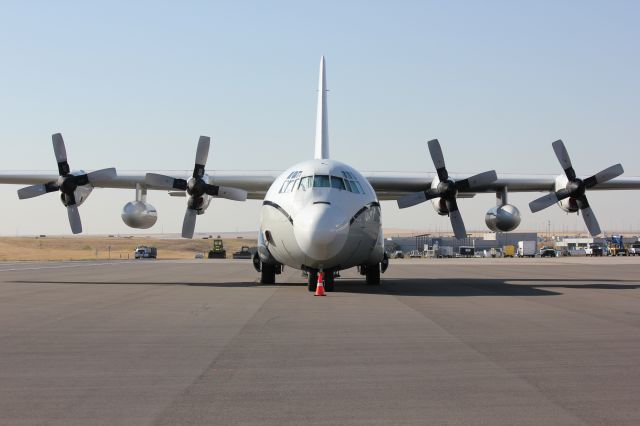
(388, 185)
(395, 185)
(256, 183)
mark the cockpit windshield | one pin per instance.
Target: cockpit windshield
(296, 183)
(337, 182)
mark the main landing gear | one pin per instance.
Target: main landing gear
(371, 272)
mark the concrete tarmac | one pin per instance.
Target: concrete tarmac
(477, 341)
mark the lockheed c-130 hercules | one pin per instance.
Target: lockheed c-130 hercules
(323, 215)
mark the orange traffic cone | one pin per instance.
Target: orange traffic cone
(320, 285)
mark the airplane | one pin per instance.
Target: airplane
(322, 215)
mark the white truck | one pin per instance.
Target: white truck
(527, 248)
(444, 251)
(634, 250)
(144, 252)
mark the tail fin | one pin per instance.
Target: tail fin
(322, 124)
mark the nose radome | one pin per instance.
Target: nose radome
(321, 230)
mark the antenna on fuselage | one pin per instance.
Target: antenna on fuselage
(322, 124)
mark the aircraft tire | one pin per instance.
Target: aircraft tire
(312, 281)
(329, 281)
(373, 274)
(268, 274)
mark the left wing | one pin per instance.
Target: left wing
(568, 190)
(394, 185)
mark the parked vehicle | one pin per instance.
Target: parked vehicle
(218, 251)
(634, 249)
(594, 250)
(415, 254)
(548, 252)
(466, 251)
(616, 246)
(244, 253)
(444, 251)
(509, 251)
(492, 252)
(398, 254)
(144, 252)
(527, 248)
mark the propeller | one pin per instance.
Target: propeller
(196, 187)
(67, 183)
(448, 189)
(576, 188)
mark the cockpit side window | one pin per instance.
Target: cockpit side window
(351, 183)
(321, 181)
(291, 183)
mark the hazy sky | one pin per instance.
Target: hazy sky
(133, 85)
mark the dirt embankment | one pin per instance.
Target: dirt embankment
(91, 248)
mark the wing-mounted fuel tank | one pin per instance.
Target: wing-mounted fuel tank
(139, 214)
(504, 217)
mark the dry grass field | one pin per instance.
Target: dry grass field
(91, 248)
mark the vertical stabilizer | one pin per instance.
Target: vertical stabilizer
(322, 124)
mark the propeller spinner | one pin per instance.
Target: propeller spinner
(447, 189)
(576, 188)
(67, 183)
(196, 187)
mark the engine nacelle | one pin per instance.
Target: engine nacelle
(138, 214)
(503, 218)
(438, 203)
(80, 194)
(569, 205)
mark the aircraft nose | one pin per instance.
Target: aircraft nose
(321, 230)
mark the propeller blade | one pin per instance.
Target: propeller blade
(543, 202)
(202, 153)
(102, 175)
(37, 190)
(230, 193)
(604, 176)
(74, 218)
(477, 181)
(412, 199)
(588, 216)
(563, 158)
(590, 220)
(58, 147)
(438, 159)
(61, 154)
(455, 217)
(165, 182)
(415, 198)
(189, 223)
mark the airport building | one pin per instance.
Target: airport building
(425, 242)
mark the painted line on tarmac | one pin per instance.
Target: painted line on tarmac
(34, 268)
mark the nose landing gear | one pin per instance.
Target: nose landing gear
(312, 280)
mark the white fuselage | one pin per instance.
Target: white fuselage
(321, 215)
